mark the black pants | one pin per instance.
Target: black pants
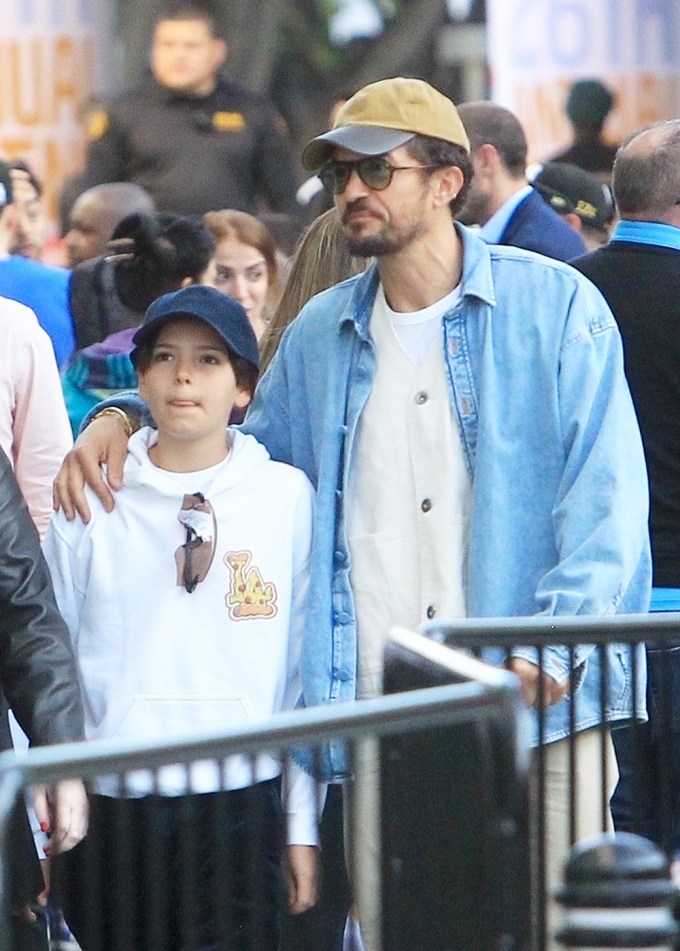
(29, 937)
(24, 884)
(646, 800)
(177, 873)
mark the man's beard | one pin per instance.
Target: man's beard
(380, 245)
(375, 246)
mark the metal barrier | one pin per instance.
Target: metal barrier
(650, 752)
(461, 834)
(422, 733)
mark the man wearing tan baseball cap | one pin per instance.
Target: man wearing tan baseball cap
(385, 115)
(462, 410)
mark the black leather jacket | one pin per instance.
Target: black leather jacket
(37, 666)
(38, 677)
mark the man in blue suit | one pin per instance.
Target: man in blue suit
(501, 200)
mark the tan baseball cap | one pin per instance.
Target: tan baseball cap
(385, 115)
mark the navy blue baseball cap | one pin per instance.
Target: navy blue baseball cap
(220, 312)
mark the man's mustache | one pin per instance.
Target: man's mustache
(359, 204)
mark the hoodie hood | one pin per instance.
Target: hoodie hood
(245, 457)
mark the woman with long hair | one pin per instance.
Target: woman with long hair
(244, 265)
(321, 259)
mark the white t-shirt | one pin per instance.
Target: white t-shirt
(417, 330)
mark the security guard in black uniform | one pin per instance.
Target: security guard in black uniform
(194, 140)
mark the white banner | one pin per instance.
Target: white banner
(54, 56)
(537, 48)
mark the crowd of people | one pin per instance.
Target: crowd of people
(453, 399)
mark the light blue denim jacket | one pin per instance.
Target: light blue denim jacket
(559, 512)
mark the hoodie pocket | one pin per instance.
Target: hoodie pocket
(167, 716)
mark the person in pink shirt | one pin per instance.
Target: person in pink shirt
(34, 428)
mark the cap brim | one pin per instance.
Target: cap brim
(151, 328)
(148, 331)
(363, 139)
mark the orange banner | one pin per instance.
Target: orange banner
(52, 61)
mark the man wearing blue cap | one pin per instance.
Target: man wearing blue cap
(219, 535)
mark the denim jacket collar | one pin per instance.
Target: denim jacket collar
(477, 281)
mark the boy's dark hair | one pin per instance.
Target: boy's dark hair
(154, 254)
(245, 373)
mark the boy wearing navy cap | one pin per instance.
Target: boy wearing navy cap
(210, 543)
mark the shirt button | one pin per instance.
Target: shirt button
(421, 398)
(431, 611)
(426, 505)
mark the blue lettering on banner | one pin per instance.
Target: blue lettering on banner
(569, 30)
(659, 16)
(569, 35)
(26, 8)
(574, 34)
(86, 12)
(613, 32)
(30, 12)
(523, 19)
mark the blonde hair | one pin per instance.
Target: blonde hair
(322, 259)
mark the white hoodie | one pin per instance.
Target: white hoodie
(157, 662)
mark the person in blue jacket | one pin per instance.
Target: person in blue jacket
(501, 199)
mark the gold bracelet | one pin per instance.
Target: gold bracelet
(119, 414)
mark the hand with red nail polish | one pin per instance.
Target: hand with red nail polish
(62, 810)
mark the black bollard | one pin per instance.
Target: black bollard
(617, 894)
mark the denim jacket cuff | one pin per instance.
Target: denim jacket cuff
(555, 660)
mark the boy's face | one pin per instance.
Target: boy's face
(189, 383)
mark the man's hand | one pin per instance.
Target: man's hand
(62, 811)
(302, 874)
(529, 675)
(104, 441)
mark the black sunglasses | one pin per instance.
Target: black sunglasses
(374, 171)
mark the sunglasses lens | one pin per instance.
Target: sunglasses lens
(375, 172)
(194, 558)
(334, 177)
